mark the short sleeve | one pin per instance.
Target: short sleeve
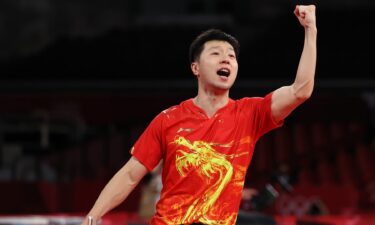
(263, 120)
(148, 148)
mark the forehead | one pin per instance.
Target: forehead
(217, 45)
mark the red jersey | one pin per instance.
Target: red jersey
(204, 159)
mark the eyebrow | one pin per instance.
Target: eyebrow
(216, 47)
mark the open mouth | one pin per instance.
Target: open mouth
(223, 72)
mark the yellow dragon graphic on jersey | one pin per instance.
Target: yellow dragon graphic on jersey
(209, 162)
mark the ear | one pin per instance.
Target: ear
(195, 68)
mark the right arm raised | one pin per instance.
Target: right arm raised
(117, 189)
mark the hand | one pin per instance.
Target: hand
(306, 15)
(86, 221)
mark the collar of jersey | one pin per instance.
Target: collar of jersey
(197, 110)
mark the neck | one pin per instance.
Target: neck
(210, 102)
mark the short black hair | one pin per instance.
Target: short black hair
(197, 45)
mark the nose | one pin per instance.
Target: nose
(225, 60)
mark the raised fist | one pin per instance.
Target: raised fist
(306, 15)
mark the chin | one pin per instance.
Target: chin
(224, 87)
(227, 85)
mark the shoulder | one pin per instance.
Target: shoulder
(254, 102)
(249, 100)
(256, 99)
(174, 110)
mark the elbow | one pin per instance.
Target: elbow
(304, 95)
(304, 92)
(130, 183)
(133, 179)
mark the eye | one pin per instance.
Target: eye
(215, 53)
(232, 56)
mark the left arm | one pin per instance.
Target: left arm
(287, 98)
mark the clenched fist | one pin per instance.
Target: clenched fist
(306, 15)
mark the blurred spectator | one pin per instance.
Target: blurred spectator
(151, 193)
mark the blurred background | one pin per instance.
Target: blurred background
(79, 81)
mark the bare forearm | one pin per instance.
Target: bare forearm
(118, 188)
(112, 195)
(287, 98)
(304, 81)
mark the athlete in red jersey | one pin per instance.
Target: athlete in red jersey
(206, 143)
(204, 158)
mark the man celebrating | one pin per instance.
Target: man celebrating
(207, 142)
